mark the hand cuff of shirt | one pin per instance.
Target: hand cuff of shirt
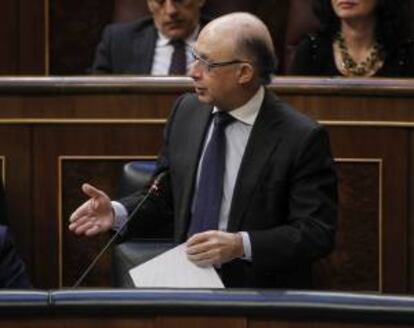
(120, 215)
(247, 246)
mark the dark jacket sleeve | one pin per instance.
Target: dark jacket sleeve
(13, 273)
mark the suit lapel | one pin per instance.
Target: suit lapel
(144, 48)
(197, 126)
(263, 140)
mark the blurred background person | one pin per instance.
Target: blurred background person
(357, 38)
(159, 44)
(13, 273)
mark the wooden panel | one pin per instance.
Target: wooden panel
(410, 235)
(23, 36)
(52, 142)
(73, 321)
(390, 146)
(199, 322)
(33, 49)
(8, 32)
(78, 252)
(355, 262)
(43, 120)
(190, 322)
(15, 153)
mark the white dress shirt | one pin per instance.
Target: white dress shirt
(164, 50)
(237, 134)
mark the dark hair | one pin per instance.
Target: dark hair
(263, 57)
(391, 19)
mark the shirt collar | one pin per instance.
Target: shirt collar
(163, 41)
(249, 111)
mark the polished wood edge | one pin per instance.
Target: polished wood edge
(343, 86)
(135, 84)
(45, 121)
(161, 121)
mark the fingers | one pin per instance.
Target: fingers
(88, 226)
(214, 247)
(78, 221)
(200, 238)
(202, 248)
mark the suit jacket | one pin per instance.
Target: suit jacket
(285, 194)
(12, 269)
(127, 48)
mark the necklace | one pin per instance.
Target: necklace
(370, 64)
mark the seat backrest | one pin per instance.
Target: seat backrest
(130, 254)
(135, 176)
(301, 20)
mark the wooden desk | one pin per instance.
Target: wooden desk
(204, 308)
(59, 132)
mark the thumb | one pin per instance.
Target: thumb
(91, 191)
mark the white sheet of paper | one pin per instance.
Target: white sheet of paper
(172, 269)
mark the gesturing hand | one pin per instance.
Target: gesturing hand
(94, 216)
(214, 247)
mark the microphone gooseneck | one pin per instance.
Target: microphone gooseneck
(153, 190)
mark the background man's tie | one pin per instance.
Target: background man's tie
(178, 64)
(210, 187)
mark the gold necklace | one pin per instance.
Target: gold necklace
(370, 64)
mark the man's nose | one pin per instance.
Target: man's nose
(170, 7)
(195, 71)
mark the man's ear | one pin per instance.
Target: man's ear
(245, 73)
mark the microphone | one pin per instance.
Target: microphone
(153, 190)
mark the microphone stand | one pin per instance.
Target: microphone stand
(153, 189)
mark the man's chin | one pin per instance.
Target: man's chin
(176, 33)
(202, 96)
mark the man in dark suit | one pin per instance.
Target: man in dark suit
(12, 269)
(146, 46)
(276, 207)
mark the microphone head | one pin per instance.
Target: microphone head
(155, 186)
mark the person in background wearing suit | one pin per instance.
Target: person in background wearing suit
(250, 182)
(13, 273)
(148, 45)
(358, 38)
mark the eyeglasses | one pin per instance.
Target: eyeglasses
(207, 66)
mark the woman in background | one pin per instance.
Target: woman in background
(357, 38)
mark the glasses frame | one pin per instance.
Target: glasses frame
(210, 65)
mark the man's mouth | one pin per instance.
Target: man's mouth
(199, 89)
(173, 24)
(346, 4)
